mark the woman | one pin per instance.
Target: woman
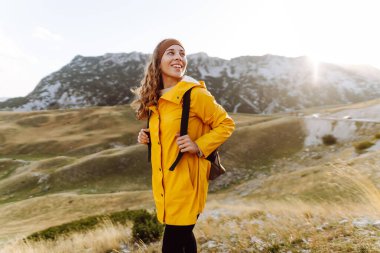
(180, 195)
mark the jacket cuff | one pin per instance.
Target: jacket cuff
(202, 148)
(199, 153)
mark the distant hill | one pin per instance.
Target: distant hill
(3, 99)
(249, 84)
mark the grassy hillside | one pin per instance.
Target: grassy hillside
(61, 165)
(112, 170)
(74, 132)
(259, 143)
(94, 150)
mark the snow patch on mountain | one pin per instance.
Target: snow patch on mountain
(71, 100)
(249, 84)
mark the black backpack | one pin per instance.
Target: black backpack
(217, 168)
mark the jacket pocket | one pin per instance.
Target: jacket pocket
(189, 173)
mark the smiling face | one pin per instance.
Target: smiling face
(173, 65)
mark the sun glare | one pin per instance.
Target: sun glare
(315, 60)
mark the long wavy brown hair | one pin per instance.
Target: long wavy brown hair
(148, 92)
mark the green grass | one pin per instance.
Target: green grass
(121, 169)
(258, 145)
(8, 166)
(6, 173)
(20, 189)
(67, 132)
(147, 232)
(321, 184)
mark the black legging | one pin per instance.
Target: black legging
(179, 239)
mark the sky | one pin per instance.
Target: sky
(39, 37)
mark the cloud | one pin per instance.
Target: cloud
(45, 34)
(17, 68)
(10, 49)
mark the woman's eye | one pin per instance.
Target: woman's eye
(172, 53)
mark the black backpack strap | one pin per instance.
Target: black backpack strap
(150, 142)
(184, 123)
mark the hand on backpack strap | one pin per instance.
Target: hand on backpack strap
(185, 144)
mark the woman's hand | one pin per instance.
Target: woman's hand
(185, 144)
(143, 137)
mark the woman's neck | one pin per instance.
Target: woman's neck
(170, 81)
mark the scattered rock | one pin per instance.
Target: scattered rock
(376, 224)
(259, 244)
(43, 178)
(316, 156)
(210, 245)
(323, 226)
(124, 248)
(361, 222)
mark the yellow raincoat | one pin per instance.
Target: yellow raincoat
(181, 194)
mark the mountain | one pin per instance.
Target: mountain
(248, 84)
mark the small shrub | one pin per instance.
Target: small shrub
(358, 124)
(257, 214)
(297, 241)
(53, 233)
(363, 145)
(308, 215)
(363, 249)
(274, 248)
(377, 136)
(329, 139)
(84, 224)
(146, 227)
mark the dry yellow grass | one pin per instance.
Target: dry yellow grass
(105, 237)
(74, 131)
(234, 224)
(260, 226)
(310, 207)
(111, 170)
(282, 226)
(25, 217)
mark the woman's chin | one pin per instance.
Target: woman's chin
(175, 75)
(178, 75)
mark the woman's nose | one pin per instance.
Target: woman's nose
(178, 56)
